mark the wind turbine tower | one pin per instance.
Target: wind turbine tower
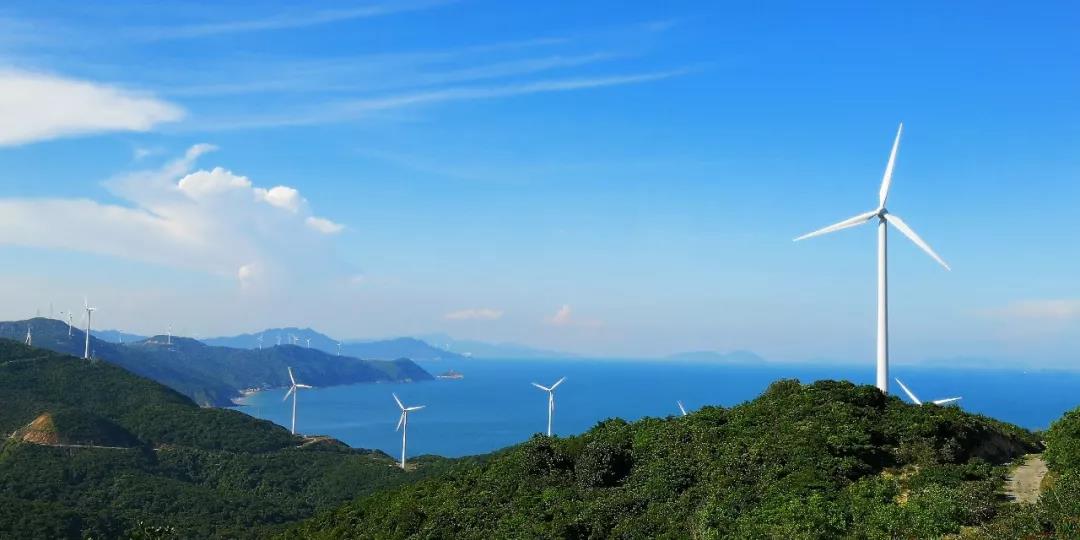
(883, 217)
(89, 314)
(29, 336)
(551, 400)
(293, 390)
(403, 424)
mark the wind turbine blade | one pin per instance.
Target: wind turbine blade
(903, 227)
(542, 387)
(886, 180)
(399, 404)
(946, 401)
(557, 383)
(909, 393)
(289, 393)
(847, 223)
(291, 378)
(400, 420)
(304, 386)
(416, 408)
(681, 408)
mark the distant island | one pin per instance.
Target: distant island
(733, 357)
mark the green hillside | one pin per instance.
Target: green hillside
(96, 451)
(216, 375)
(827, 460)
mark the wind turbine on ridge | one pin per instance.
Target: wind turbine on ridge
(917, 401)
(294, 390)
(883, 216)
(551, 400)
(89, 313)
(29, 337)
(403, 424)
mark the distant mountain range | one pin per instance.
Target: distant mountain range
(480, 349)
(386, 349)
(213, 375)
(733, 357)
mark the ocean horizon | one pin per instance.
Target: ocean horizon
(495, 406)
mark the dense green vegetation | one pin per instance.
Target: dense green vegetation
(216, 375)
(827, 460)
(170, 465)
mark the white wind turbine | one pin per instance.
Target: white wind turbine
(29, 337)
(89, 313)
(403, 424)
(309, 343)
(681, 408)
(551, 399)
(260, 341)
(882, 215)
(917, 401)
(168, 336)
(294, 390)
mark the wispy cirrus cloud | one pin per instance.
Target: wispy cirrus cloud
(349, 110)
(37, 107)
(474, 314)
(282, 21)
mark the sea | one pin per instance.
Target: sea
(495, 405)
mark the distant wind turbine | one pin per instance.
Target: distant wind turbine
(681, 408)
(403, 424)
(29, 336)
(551, 399)
(168, 336)
(294, 390)
(882, 215)
(309, 343)
(917, 401)
(339, 348)
(89, 313)
(69, 323)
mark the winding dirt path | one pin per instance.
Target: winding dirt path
(1023, 483)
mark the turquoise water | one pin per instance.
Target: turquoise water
(495, 406)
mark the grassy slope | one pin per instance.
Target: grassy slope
(200, 471)
(825, 460)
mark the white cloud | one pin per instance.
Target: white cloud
(282, 197)
(324, 225)
(285, 21)
(475, 314)
(37, 107)
(565, 317)
(207, 220)
(1045, 310)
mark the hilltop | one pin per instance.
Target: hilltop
(825, 460)
(384, 349)
(96, 451)
(211, 375)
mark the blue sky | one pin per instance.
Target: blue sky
(597, 177)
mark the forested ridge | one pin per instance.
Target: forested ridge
(95, 451)
(824, 460)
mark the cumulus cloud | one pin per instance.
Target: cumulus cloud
(37, 107)
(208, 220)
(1045, 310)
(475, 314)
